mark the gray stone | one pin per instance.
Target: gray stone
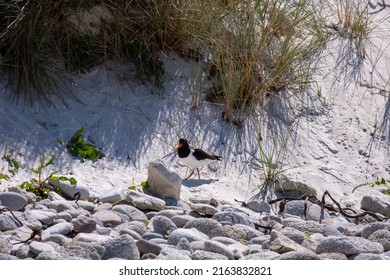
(169, 213)
(209, 227)
(265, 255)
(160, 241)
(255, 248)
(162, 182)
(130, 232)
(260, 239)
(131, 212)
(162, 225)
(136, 226)
(112, 196)
(60, 205)
(198, 245)
(28, 221)
(5, 245)
(190, 234)
(233, 217)
(366, 257)
(91, 237)
(258, 206)
(205, 209)
(108, 218)
(13, 201)
(80, 250)
(206, 255)
(184, 244)
(23, 252)
(39, 247)
(86, 205)
(104, 230)
(282, 244)
(306, 210)
(102, 206)
(59, 256)
(242, 249)
(181, 220)
(373, 227)
(8, 223)
(57, 238)
(294, 234)
(348, 246)
(123, 247)
(45, 217)
(249, 231)
(381, 236)
(225, 240)
(145, 202)
(170, 253)
(84, 224)
(376, 204)
(70, 190)
(151, 235)
(7, 257)
(234, 233)
(386, 255)
(299, 255)
(332, 256)
(61, 228)
(288, 185)
(311, 227)
(146, 247)
(67, 216)
(217, 247)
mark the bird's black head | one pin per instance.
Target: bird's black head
(183, 148)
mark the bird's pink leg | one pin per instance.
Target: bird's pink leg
(198, 173)
(193, 170)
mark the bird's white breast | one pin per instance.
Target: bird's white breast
(192, 162)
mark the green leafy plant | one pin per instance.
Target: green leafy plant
(144, 184)
(13, 164)
(76, 146)
(4, 176)
(379, 182)
(39, 185)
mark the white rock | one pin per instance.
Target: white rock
(162, 182)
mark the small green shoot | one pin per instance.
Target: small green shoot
(143, 184)
(76, 146)
(378, 182)
(13, 165)
(306, 235)
(39, 185)
(4, 176)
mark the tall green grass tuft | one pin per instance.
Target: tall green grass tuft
(254, 47)
(264, 47)
(354, 21)
(30, 42)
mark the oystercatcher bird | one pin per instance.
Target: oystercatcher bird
(194, 158)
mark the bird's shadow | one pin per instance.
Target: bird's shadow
(193, 183)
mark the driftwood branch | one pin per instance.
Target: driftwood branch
(330, 207)
(3, 209)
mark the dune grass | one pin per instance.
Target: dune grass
(354, 22)
(254, 48)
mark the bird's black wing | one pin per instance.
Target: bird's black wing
(201, 155)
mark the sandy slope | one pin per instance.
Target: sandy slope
(338, 134)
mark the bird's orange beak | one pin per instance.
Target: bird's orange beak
(178, 146)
